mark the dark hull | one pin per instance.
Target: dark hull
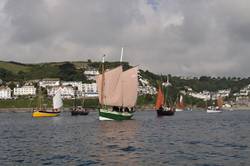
(79, 112)
(165, 113)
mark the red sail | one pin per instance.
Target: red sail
(160, 99)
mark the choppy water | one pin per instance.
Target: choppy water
(188, 138)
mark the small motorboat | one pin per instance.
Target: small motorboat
(79, 110)
(168, 111)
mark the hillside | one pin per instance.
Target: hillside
(15, 67)
(14, 71)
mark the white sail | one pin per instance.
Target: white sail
(57, 101)
(181, 99)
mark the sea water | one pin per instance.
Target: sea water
(187, 138)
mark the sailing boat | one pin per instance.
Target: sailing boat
(42, 111)
(78, 110)
(117, 91)
(216, 109)
(180, 105)
(161, 105)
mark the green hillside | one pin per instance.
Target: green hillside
(67, 71)
(15, 67)
(74, 71)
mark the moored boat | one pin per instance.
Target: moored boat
(44, 113)
(165, 111)
(212, 109)
(79, 110)
(216, 109)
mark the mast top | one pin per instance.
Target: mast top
(103, 58)
(121, 55)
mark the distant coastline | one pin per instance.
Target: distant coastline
(138, 108)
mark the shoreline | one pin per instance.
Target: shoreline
(67, 109)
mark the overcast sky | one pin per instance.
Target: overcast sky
(181, 37)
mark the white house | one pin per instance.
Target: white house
(66, 91)
(49, 82)
(25, 90)
(142, 90)
(91, 74)
(90, 90)
(205, 95)
(77, 84)
(223, 93)
(5, 92)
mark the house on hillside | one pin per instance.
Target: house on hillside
(25, 90)
(91, 74)
(90, 90)
(77, 84)
(49, 82)
(5, 92)
(66, 91)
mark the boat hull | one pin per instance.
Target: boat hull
(214, 111)
(179, 109)
(165, 112)
(74, 113)
(105, 114)
(38, 114)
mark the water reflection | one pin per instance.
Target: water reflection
(118, 142)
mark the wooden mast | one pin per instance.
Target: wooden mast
(103, 79)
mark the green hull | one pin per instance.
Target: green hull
(105, 114)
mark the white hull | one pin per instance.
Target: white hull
(104, 119)
(179, 110)
(213, 111)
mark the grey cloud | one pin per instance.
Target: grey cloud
(198, 37)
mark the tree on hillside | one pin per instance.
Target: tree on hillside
(68, 72)
(6, 75)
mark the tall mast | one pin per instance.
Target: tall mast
(121, 64)
(103, 79)
(39, 98)
(121, 55)
(74, 97)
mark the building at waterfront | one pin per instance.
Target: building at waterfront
(5, 92)
(49, 82)
(66, 91)
(91, 74)
(24, 90)
(77, 84)
(90, 90)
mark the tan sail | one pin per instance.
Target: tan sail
(125, 94)
(120, 88)
(111, 80)
(220, 102)
(129, 87)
